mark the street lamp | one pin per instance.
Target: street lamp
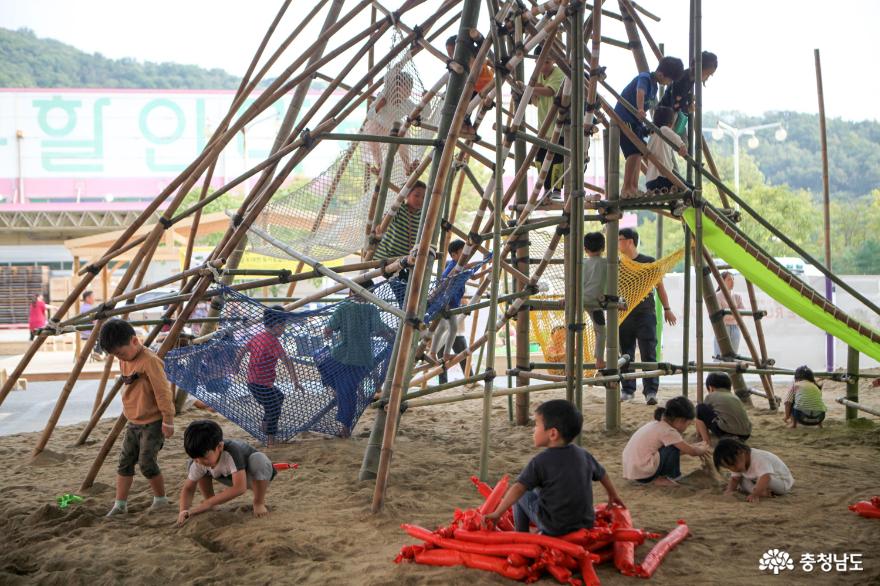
(723, 128)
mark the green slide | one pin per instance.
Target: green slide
(722, 245)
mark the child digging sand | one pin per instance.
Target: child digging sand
(755, 472)
(804, 403)
(653, 452)
(232, 463)
(149, 407)
(555, 490)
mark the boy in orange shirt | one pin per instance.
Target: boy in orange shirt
(149, 407)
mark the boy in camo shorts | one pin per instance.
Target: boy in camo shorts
(149, 407)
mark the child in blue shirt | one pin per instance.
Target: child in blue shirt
(555, 489)
(641, 93)
(448, 328)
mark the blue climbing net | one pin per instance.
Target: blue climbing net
(277, 373)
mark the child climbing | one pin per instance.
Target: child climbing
(555, 489)
(657, 180)
(722, 413)
(392, 105)
(680, 95)
(148, 405)
(549, 82)
(265, 354)
(352, 354)
(232, 463)
(447, 330)
(757, 473)
(641, 94)
(594, 278)
(803, 403)
(484, 79)
(652, 454)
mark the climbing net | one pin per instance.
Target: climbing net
(327, 218)
(636, 281)
(277, 373)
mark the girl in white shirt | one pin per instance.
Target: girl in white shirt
(653, 452)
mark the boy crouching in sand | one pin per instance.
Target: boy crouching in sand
(555, 490)
(149, 407)
(232, 463)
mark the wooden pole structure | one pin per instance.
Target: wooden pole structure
(698, 193)
(632, 34)
(521, 403)
(450, 125)
(492, 331)
(77, 340)
(852, 383)
(826, 205)
(253, 204)
(612, 254)
(718, 325)
(575, 238)
(384, 427)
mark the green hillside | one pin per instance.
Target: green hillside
(28, 61)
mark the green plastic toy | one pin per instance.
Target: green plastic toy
(67, 499)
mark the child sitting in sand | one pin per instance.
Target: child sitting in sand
(148, 405)
(653, 452)
(804, 404)
(755, 472)
(721, 412)
(555, 490)
(232, 463)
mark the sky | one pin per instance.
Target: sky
(765, 47)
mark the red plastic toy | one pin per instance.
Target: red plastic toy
(468, 541)
(868, 509)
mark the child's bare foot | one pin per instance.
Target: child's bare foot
(600, 364)
(260, 510)
(664, 481)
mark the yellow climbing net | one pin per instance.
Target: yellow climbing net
(636, 280)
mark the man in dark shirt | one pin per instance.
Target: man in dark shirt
(555, 489)
(640, 326)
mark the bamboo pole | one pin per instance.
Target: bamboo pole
(492, 330)
(530, 389)
(856, 406)
(323, 270)
(826, 204)
(522, 162)
(635, 44)
(852, 385)
(450, 125)
(717, 321)
(612, 254)
(701, 294)
(102, 386)
(575, 237)
(104, 452)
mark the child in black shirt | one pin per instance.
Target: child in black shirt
(554, 490)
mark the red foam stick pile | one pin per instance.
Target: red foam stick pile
(868, 509)
(469, 541)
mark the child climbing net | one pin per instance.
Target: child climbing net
(277, 374)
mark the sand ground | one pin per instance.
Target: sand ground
(321, 531)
